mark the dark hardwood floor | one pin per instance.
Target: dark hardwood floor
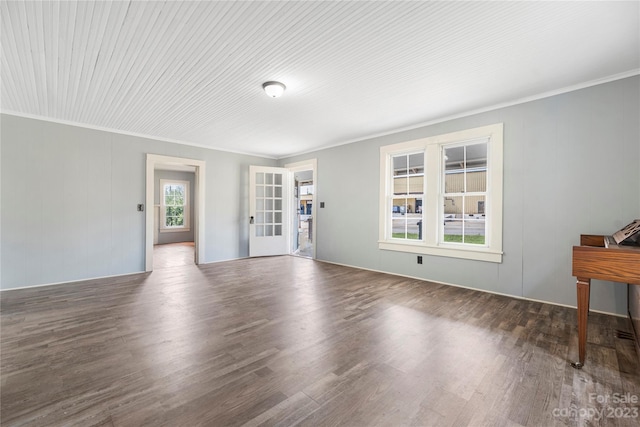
(290, 341)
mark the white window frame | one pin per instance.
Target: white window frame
(163, 209)
(432, 213)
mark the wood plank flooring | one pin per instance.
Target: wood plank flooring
(291, 341)
(173, 255)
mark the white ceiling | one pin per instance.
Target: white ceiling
(192, 72)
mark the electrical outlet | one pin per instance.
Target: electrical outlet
(419, 259)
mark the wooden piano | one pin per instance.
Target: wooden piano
(603, 258)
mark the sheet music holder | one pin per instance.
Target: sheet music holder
(628, 235)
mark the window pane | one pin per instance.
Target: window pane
(476, 168)
(260, 218)
(453, 207)
(453, 225)
(268, 191)
(268, 178)
(260, 204)
(463, 221)
(481, 204)
(268, 230)
(416, 163)
(400, 185)
(399, 165)
(475, 220)
(453, 230)
(399, 207)
(454, 181)
(277, 179)
(413, 228)
(477, 155)
(259, 178)
(277, 230)
(277, 204)
(476, 181)
(398, 228)
(414, 206)
(268, 204)
(277, 191)
(259, 191)
(418, 205)
(416, 184)
(260, 230)
(277, 217)
(174, 217)
(268, 217)
(454, 158)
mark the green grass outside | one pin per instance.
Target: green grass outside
(457, 238)
(454, 238)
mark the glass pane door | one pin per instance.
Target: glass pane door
(268, 201)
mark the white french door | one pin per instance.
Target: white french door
(268, 211)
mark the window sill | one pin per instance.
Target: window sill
(175, 230)
(451, 251)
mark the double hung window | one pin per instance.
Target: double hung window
(442, 195)
(174, 205)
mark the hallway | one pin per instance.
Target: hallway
(173, 255)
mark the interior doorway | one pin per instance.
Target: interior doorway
(281, 209)
(303, 217)
(174, 210)
(303, 230)
(192, 187)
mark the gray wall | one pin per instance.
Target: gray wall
(69, 196)
(175, 236)
(571, 167)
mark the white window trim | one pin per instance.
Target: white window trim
(431, 210)
(163, 210)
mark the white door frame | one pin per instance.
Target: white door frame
(198, 233)
(312, 165)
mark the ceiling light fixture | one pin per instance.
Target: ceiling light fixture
(273, 89)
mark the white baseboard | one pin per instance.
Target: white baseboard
(473, 289)
(75, 281)
(343, 265)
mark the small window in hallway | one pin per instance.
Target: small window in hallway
(174, 205)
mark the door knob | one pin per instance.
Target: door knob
(251, 220)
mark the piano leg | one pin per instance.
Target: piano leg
(582, 286)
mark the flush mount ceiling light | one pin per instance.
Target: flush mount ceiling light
(273, 89)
